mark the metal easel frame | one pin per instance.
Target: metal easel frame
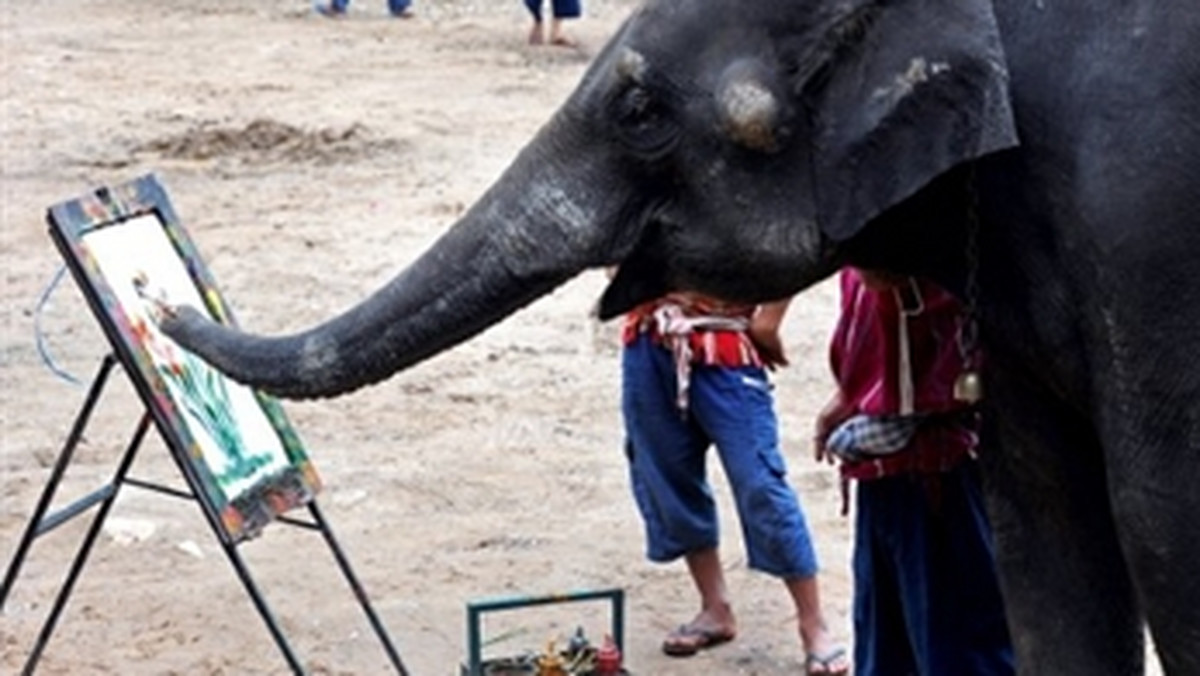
(43, 520)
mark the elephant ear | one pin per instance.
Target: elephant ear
(905, 91)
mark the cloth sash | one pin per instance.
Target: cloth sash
(676, 326)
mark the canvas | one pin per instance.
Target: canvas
(131, 257)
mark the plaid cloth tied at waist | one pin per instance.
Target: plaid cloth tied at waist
(863, 436)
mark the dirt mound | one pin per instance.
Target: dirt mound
(265, 141)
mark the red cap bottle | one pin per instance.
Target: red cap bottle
(608, 658)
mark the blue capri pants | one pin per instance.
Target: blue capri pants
(733, 410)
(563, 9)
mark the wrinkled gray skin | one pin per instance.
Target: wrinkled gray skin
(750, 147)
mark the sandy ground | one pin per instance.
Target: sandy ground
(311, 160)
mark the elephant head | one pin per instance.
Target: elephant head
(729, 146)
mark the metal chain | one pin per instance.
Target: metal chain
(968, 334)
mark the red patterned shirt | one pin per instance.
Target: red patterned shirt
(715, 331)
(698, 330)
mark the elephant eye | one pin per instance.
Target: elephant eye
(635, 103)
(644, 122)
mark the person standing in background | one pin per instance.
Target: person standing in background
(400, 9)
(561, 9)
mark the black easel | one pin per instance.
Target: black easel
(42, 522)
(70, 223)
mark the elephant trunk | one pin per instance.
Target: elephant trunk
(533, 230)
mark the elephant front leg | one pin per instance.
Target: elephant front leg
(1153, 456)
(1070, 603)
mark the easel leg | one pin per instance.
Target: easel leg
(243, 573)
(260, 604)
(60, 467)
(85, 548)
(40, 523)
(356, 587)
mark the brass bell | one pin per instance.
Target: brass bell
(968, 387)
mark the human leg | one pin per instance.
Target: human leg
(563, 9)
(667, 457)
(736, 409)
(400, 8)
(536, 34)
(567, 9)
(881, 645)
(974, 609)
(667, 472)
(714, 623)
(716, 612)
(822, 654)
(932, 537)
(333, 8)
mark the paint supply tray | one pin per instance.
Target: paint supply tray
(578, 660)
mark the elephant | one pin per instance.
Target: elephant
(1036, 157)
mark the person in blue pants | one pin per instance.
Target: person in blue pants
(561, 9)
(927, 601)
(694, 377)
(398, 8)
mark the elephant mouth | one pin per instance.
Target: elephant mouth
(642, 275)
(667, 258)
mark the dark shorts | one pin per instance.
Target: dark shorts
(562, 9)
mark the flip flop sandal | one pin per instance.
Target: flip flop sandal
(687, 640)
(821, 664)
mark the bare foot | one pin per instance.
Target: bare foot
(535, 34)
(563, 41)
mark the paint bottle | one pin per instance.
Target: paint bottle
(550, 663)
(608, 658)
(577, 643)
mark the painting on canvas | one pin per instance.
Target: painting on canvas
(131, 257)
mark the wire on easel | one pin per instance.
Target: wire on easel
(42, 348)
